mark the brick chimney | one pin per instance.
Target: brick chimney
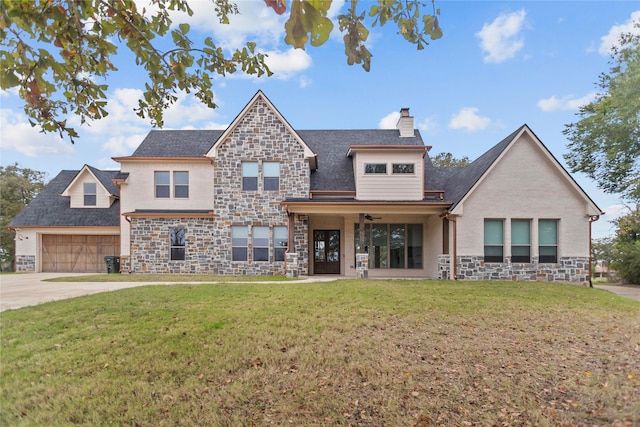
(405, 123)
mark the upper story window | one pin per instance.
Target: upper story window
(400, 168)
(493, 240)
(177, 244)
(375, 168)
(548, 240)
(181, 184)
(271, 172)
(163, 184)
(520, 240)
(250, 176)
(90, 196)
(162, 180)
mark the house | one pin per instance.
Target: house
(263, 198)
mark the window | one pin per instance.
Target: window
(239, 243)
(250, 176)
(279, 242)
(391, 245)
(520, 240)
(89, 193)
(163, 184)
(177, 241)
(548, 240)
(260, 243)
(399, 168)
(271, 172)
(374, 168)
(493, 240)
(181, 185)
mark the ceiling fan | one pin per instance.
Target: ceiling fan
(372, 218)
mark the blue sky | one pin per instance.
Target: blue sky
(499, 65)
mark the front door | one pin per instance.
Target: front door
(326, 252)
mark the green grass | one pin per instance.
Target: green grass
(164, 278)
(350, 352)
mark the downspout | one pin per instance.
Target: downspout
(447, 216)
(592, 219)
(289, 216)
(130, 245)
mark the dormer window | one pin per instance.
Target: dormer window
(403, 168)
(375, 168)
(90, 196)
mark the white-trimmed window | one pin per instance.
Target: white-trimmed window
(90, 195)
(250, 176)
(271, 173)
(493, 240)
(260, 239)
(239, 242)
(279, 242)
(548, 240)
(181, 184)
(162, 180)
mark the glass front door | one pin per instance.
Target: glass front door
(326, 252)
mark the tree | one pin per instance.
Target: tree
(605, 142)
(447, 160)
(18, 186)
(58, 53)
(627, 246)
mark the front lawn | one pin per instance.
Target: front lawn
(350, 352)
(165, 278)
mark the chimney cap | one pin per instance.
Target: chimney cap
(404, 112)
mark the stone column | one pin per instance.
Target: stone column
(292, 265)
(362, 265)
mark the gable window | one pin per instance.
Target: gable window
(89, 193)
(162, 181)
(239, 243)
(260, 236)
(271, 172)
(375, 168)
(279, 242)
(177, 242)
(402, 168)
(548, 240)
(493, 240)
(520, 240)
(250, 176)
(181, 185)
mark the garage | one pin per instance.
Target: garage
(77, 253)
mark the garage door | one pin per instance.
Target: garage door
(78, 254)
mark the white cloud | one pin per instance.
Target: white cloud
(468, 119)
(389, 121)
(566, 103)
(285, 64)
(429, 125)
(616, 211)
(17, 134)
(500, 39)
(613, 36)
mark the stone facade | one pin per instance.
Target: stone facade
(25, 263)
(568, 269)
(259, 137)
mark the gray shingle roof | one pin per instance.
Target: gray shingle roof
(105, 178)
(49, 208)
(177, 143)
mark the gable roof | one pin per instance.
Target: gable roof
(50, 209)
(259, 96)
(461, 183)
(103, 177)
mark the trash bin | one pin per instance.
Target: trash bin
(113, 264)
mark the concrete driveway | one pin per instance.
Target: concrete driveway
(25, 289)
